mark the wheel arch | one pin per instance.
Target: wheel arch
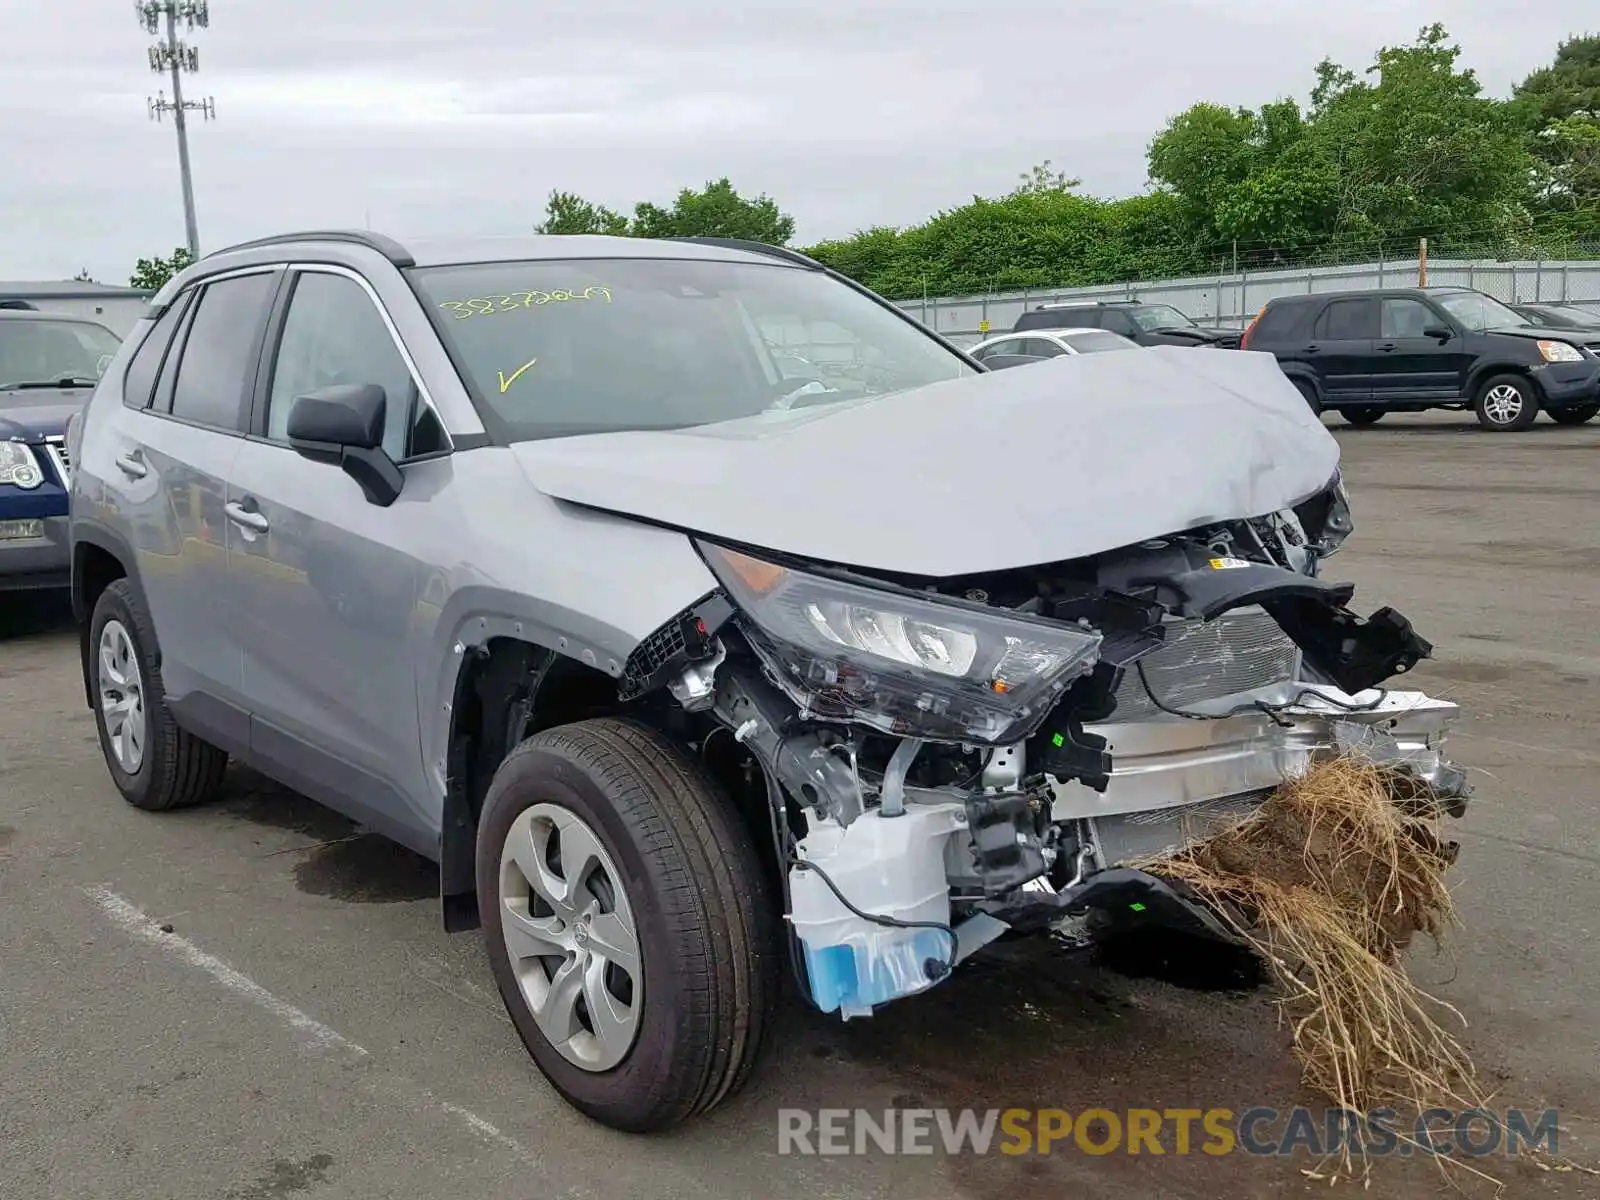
(99, 558)
(1483, 372)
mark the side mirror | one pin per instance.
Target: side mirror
(343, 426)
(1441, 333)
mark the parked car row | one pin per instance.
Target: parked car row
(1364, 354)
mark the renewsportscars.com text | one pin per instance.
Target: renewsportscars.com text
(1471, 1132)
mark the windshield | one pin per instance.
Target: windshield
(54, 353)
(555, 348)
(1476, 311)
(1578, 316)
(1159, 316)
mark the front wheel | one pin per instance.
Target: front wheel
(1579, 415)
(1507, 404)
(628, 923)
(1362, 414)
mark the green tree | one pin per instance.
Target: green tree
(153, 273)
(1043, 177)
(1559, 109)
(567, 212)
(717, 210)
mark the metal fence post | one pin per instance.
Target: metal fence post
(1513, 283)
(1244, 294)
(1538, 280)
(1472, 275)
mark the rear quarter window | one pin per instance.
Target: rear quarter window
(1277, 322)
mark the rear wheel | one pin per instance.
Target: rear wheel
(1362, 414)
(1309, 392)
(628, 923)
(1574, 416)
(155, 764)
(1507, 404)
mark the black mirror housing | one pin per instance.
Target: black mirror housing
(343, 425)
(346, 414)
(1441, 333)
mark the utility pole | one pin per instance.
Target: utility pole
(169, 56)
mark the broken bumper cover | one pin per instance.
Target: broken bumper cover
(1171, 764)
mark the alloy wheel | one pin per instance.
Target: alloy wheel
(1502, 404)
(121, 690)
(571, 936)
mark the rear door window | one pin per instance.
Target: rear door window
(1348, 320)
(217, 370)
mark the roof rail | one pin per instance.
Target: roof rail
(386, 246)
(752, 247)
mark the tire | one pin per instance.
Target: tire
(1309, 392)
(1577, 415)
(703, 924)
(169, 767)
(1506, 404)
(1362, 414)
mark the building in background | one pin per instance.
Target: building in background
(117, 308)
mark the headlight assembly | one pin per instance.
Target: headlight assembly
(18, 466)
(900, 663)
(1560, 352)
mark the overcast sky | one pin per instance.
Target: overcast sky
(459, 116)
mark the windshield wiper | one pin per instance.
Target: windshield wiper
(64, 381)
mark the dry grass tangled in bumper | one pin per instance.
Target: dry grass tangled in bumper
(1330, 880)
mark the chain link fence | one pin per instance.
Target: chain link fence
(1230, 300)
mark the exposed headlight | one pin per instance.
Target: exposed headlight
(1560, 352)
(897, 662)
(1326, 518)
(18, 466)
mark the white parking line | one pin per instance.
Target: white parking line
(133, 920)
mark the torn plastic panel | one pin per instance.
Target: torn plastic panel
(1193, 580)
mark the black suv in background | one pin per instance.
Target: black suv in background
(1364, 354)
(1147, 324)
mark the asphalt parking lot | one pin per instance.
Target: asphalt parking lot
(305, 1028)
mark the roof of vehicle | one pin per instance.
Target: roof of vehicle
(33, 314)
(1055, 304)
(525, 247)
(1364, 293)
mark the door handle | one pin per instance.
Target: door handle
(131, 466)
(245, 518)
(1386, 346)
(1313, 348)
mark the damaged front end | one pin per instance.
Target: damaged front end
(947, 760)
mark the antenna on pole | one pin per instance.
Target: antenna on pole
(172, 57)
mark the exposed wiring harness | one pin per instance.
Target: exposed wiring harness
(1272, 711)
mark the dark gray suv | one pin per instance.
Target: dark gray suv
(698, 611)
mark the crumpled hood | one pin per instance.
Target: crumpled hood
(39, 412)
(1003, 469)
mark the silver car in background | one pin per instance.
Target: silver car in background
(702, 614)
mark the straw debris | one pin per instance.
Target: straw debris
(1330, 880)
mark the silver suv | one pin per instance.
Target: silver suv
(699, 612)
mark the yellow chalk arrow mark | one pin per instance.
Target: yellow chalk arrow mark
(505, 382)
